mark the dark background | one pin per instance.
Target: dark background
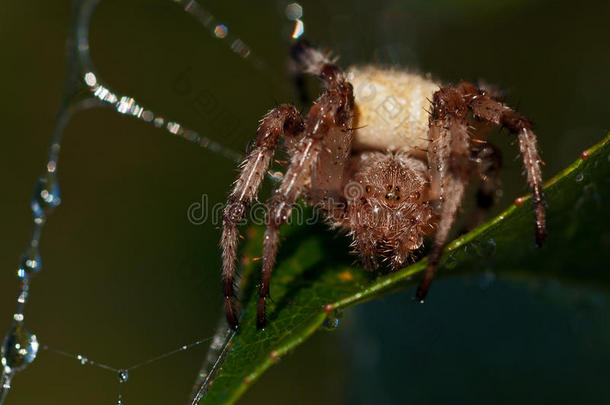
(126, 276)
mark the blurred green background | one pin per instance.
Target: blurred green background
(126, 276)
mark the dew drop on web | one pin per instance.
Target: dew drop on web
(31, 262)
(46, 196)
(19, 349)
(123, 376)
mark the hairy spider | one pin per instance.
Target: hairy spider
(388, 162)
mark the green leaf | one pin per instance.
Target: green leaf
(314, 278)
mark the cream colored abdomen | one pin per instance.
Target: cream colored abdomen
(391, 109)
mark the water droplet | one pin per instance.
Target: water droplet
(330, 323)
(104, 94)
(294, 11)
(90, 79)
(31, 263)
(175, 128)
(5, 385)
(299, 29)
(579, 177)
(19, 349)
(159, 121)
(23, 296)
(6, 382)
(332, 320)
(147, 115)
(51, 165)
(123, 376)
(46, 196)
(127, 105)
(83, 360)
(221, 31)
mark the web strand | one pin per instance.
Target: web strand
(122, 374)
(128, 105)
(83, 89)
(216, 356)
(20, 346)
(80, 358)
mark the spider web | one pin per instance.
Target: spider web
(85, 89)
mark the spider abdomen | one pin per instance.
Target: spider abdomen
(390, 109)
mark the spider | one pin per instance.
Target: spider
(389, 162)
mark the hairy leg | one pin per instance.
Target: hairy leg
(488, 161)
(486, 108)
(450, 170)
(284, 120)
(332, 111)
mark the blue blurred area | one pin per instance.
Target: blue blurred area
(501, 341)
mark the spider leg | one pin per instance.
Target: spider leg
(284, 120)
(486, 108)
(331, 112)
(450, 169)
(280, 210)
(449, 115)
(488, 161)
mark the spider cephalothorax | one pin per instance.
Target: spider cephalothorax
(387, 155)
(387, 212)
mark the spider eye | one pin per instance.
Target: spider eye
(392, 196)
